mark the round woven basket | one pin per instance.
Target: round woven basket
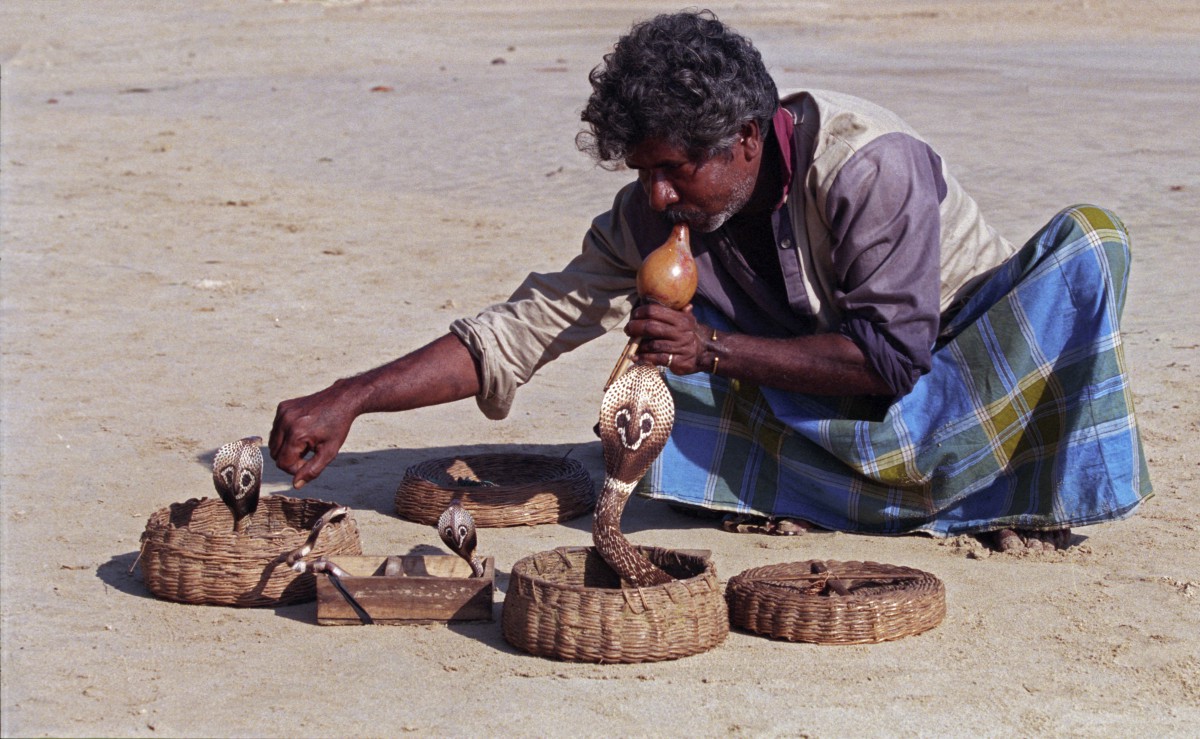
(568, 604)
(498, 489)
(190, 553)
(800, 601)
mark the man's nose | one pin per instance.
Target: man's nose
(661, 193)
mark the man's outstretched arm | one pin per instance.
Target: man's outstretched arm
(318, 424)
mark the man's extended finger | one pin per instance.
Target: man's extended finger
(313, 467)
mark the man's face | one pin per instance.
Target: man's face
(704, 194)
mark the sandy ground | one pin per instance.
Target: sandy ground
(206, 209)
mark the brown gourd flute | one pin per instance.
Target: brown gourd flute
(668, 277)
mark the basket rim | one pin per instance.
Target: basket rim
(755, 578)
(708, 570)
(760, 604)
(160, 520)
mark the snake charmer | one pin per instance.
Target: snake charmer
(864, 353)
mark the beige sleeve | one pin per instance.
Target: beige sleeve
(551, 314)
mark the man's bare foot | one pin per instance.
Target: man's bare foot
(1024, 540)
(739, 523)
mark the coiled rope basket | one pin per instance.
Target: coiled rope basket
(830, 602)
(190, 553)
(498, 489)
(568, 604)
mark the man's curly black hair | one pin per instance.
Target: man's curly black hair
(683, 77)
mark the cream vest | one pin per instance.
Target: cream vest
(970, 249)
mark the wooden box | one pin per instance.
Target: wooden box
(422, 589)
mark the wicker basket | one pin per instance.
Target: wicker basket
(567, 603)
(799, 601)
(190, 553)
(498, 489)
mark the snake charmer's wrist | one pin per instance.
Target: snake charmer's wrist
(356, 395)
(713, 350)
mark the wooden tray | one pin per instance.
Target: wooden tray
(427, 589)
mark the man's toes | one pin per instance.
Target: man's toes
(1042, 541)
(1053, 540)
(1023, 540)
(790, 527)
(1008, 540)
(740, 523)
(1045, 541)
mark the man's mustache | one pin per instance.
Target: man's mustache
(684, 216)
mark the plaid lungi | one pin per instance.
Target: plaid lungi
(1025, 420)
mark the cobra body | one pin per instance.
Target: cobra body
(456, 526)
(237, 475)
(297, 555)
(636, 417)
(322, 565)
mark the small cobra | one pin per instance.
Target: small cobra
(636, 417)
(237, 475)
(305, 549)
(320, 565)
(323, 566)
(456, 526)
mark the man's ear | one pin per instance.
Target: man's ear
(752, 140)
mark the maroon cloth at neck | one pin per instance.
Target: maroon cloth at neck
(784, 126)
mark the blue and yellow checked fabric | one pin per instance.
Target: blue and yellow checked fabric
(1025, 420)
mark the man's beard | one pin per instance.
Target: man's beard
(708, 222)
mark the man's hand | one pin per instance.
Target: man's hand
(316, 424)
(670, 338)
(818, 364)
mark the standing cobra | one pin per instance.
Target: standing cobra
(456, 526)
(237, 475)
(636, 416)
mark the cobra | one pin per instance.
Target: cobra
(237, 475)
(456, 526)
(636, 417)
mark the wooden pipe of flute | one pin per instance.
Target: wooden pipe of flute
(667, 276)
